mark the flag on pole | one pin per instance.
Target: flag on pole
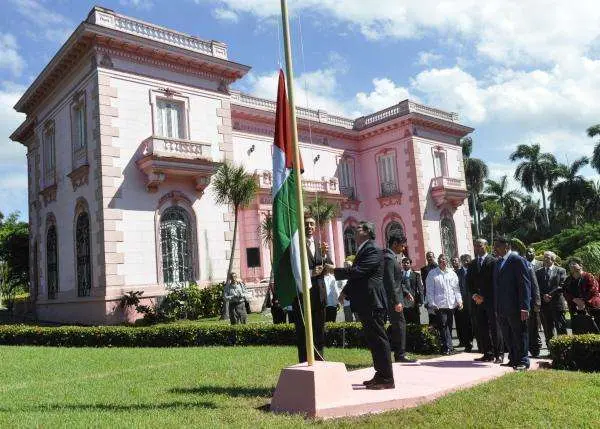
(286, 245)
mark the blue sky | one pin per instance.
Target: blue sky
(523, 71)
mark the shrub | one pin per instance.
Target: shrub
(419, 339)
(576, 352)
(518, 246)
(569, 240)
(590, 256)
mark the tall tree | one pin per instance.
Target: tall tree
(493, 209)
(592, 132)
(509, 200)
(476, 171)
(535, 172)
(573, 188)
(234, 186)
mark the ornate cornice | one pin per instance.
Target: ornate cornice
(79, 176)
(48, 194)
(390, 200)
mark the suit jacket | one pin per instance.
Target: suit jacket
(318, 282)
(512, 286)
(365, 288)
(414, 286)
(585, 287)
(553, 286)
(461, 273)
(392, 280)
(480, 280)
(536, 299)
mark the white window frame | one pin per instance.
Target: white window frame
(440, 162)
(167, 96)
(79, 136)
(387, 170)
(49, 145)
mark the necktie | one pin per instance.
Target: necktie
(480, 261)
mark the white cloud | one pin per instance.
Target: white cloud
(49, 24)
(428, 58)
(9, 55)
(226, 15)
(138, 4)
(505, 31)
(384, 94)
(10, 152)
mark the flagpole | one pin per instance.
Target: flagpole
(289, 75)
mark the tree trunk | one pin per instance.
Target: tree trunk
(492, 232)
(478, 213)
(225, 309)
(546, 218)
(475, 215)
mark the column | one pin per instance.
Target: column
(330, 241)
(338, 239)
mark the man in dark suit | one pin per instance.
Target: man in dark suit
(431, 265)
(317, 260)
(396, 294)
(412, 283)
(464, 329)
(512, 290)
(554, 305)
(533, 323)
(367, 297)
(481, 287)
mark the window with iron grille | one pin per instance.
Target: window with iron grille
(52, 262)
(349, 241)
(448, 233)
(49, 153)
(392, 227)
(84, 268)
(176, 239)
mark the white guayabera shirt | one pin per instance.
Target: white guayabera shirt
(443, 290)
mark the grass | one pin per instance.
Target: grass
(229, 387)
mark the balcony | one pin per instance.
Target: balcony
(326, 187)
(389, 194)
(164, 158)
(448, 191)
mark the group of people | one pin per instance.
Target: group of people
(501, 299)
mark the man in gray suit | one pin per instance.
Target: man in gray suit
(554, 305)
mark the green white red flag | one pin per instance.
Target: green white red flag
(286, 244)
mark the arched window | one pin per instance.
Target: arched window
(52, 262)
(391, 227)
(349, 241)
(448, 233)
(82, 249)
(176, 245)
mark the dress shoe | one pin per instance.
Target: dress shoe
(499, 360)
(404, 359)
(460, 345)
(511, 364)
(468, 348)
(371, 381)
(535, 355)
(382, 384)
(484, 358)
(521, 367)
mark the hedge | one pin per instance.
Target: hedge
(419, 339)
(576, 352)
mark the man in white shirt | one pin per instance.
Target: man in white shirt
(443, 296)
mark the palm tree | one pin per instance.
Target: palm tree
(531, 211)
(592, 132)
(573, 188)
(233, 185)
(535, 172)
(493, 209)
(508, 199)
(476, 171)
(265, 231)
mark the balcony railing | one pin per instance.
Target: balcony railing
(448, 191)
(176, 148)
(388, 188)
(325, 185)
(447, 182)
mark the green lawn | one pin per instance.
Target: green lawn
(219, 386)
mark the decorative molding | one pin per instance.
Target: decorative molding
(106, 61)
(351, 205)
(175, 197)
(390, 200)
(79, 176)
(48, 194)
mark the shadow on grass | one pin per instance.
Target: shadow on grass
(110, 407)
(234, 392)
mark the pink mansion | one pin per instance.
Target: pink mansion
(128, 122)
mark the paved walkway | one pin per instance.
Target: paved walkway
(416, 384)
